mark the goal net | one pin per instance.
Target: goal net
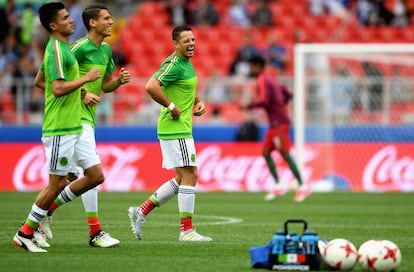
(355, 100)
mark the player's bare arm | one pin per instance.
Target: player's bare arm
(40, 80)
(110, 84)
(87, 98)
(153, 87)
(61, 87)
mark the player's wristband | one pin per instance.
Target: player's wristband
(171, 106)
(120, 81)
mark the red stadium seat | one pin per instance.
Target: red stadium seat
(201, 33)
(366, 34)
(7, 103)
(203, 48)
(276, 9)
(387, 34)
(203, 64)
(279, 32)
(350, 34)
(310, 22)
(287, 22)
(235, 35)
(151, 8)
(407, 35)
(8, 108)
(231, 113)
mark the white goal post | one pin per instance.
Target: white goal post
(400, 54)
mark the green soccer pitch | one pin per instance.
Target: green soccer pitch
(236, 221)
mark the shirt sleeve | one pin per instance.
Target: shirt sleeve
(56, 60)
(168, 73)
(287, 95)
(261, 91)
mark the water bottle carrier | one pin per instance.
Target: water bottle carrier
(289, 251)
(293, 252)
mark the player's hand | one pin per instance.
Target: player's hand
(91, 100)
(83, 92)
(199, 108)
(93, 74)
(175, 113)
(124, 76)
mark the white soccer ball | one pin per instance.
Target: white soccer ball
(322, 244)
(364, 252)
(339, 254)
(379, 255)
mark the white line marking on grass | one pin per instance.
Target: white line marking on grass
(204, 220)
(208, 219)
(221, 220)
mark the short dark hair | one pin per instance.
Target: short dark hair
(48, 13)
(258, 60)
(92, 12)
(177, 31)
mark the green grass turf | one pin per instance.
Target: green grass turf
(355, 216)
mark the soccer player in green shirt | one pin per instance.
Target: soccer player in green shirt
(174, 86)
(91, 51)
(62, 125)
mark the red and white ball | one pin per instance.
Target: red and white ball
(339, 254)
(379, 255)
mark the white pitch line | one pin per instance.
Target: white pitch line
(223, 220)
(219, 220)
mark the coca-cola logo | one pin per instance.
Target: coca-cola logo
(30, 173)
(119, 165)
(241, 173)
(121, 168)
(386, 172)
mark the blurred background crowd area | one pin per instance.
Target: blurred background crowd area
(228, 33)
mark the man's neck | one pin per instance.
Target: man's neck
(95, 38)
(60, 37)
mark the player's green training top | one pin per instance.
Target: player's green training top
(62, 114)
(89, 55)
(179, 83)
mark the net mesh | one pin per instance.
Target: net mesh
(359, 88)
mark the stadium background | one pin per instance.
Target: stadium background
(373, 156)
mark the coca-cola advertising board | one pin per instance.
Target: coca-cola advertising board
(227, 167)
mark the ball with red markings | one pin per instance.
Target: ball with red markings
(379, 255)
(339, 254)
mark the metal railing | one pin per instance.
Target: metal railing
(337, 103)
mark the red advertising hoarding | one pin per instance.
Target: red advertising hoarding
(227, 167)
